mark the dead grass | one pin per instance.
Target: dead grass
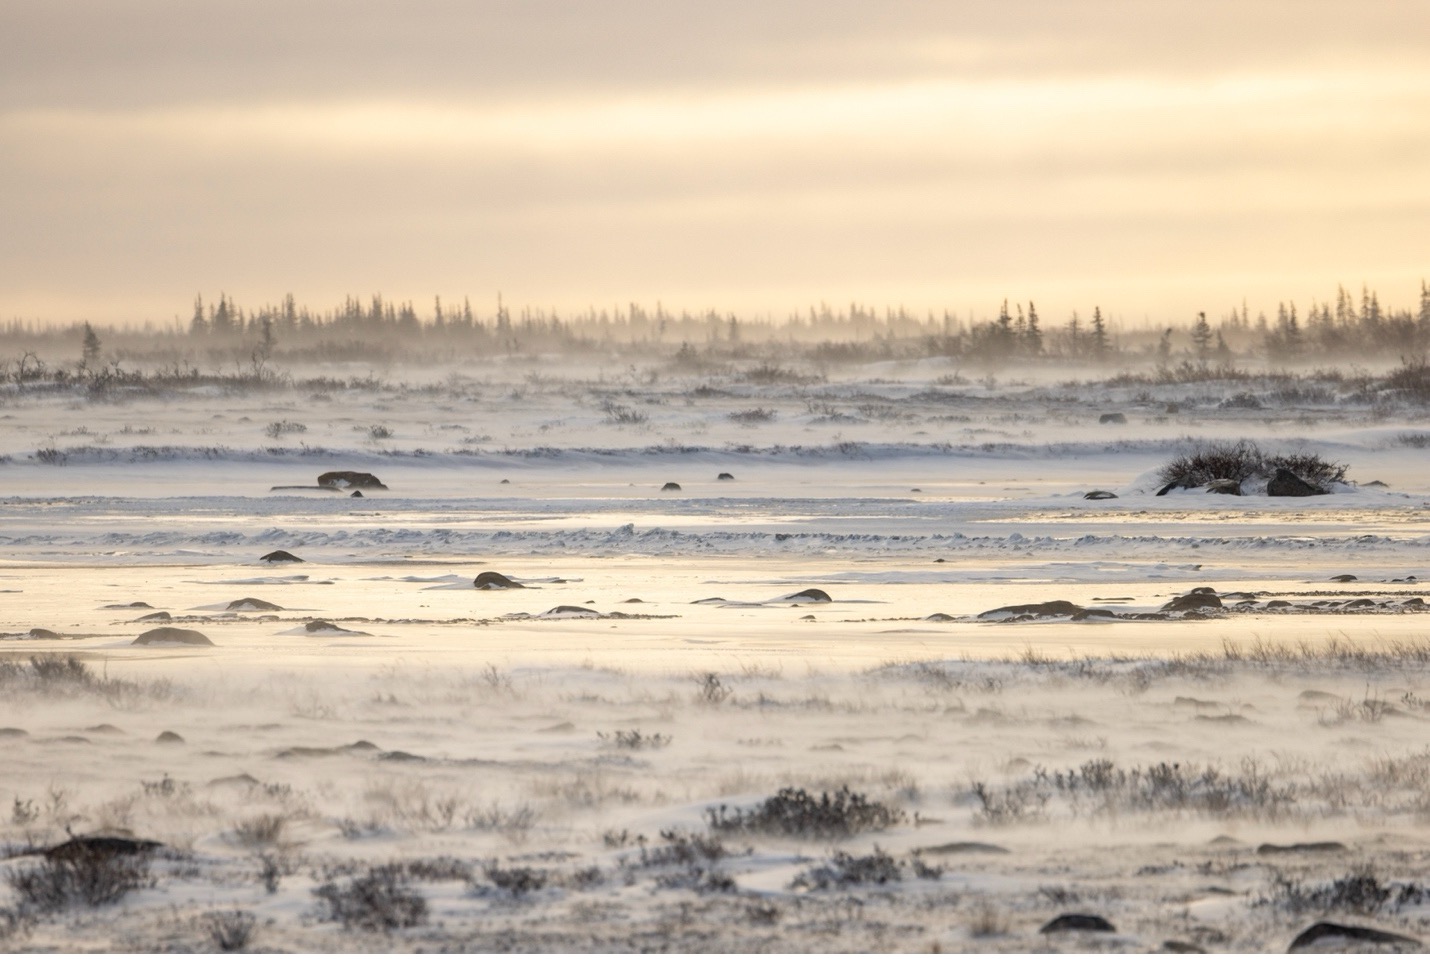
(55, 675)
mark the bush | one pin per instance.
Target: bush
(713, 691)
(1358, 891)
(230, 931)
(264, 829)
(751, 417)
(1101, 787)
(1411, 379)
(795, 812)
(283, 427)
(843, 870)
(634, 739)
(1244, 460)
(61, 670)
(682, 849)
(619, 415)
(518, 880)
(379, 901)
(68, 675)
(88, 876)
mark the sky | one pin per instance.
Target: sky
(754, 156)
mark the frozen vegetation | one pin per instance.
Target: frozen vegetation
(872, 643)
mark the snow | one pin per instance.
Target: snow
(493, 717)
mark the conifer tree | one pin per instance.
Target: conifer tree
(1202, 337)
(1099, 333)
(91, 347)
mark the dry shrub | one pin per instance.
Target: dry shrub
(230, 931)
(1243, 460)
(796, 812)
(265, 829)
(843, 870)
(90, 876)
(379, 901)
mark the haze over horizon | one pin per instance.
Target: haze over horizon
(1157, 159)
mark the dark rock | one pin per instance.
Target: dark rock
(163, 635)
(505, 482)
(249, 605)
(491, 580)
(107, 728)
(725, 477)
(349, 479)
(317, 752)
(279, 556)
(1175, 484)
(101, 847)
(323, 626)
(939, 618)
(242, 779)
(1100, 494)
(1227, 487)
(1344, 578)
(1271, 849)
(1196, 599)
(1359, 604)
(40, 632)
(1057, 607)
(1075, 922)
(1377, 483)
(398, 756)
(1087, 614)
(1176, 945)
(169, 738)
(1287, 483)
(811, 595)
(1112, 418)
(1226, 719)
(357, 494)
(12, 732)
(1278, 604)
(916, 490)
(137, 604)
(633, 599)
(960, 848)
(1334, 930)
(670, 488)
(159, 617)
(808, 618)
(580, 611)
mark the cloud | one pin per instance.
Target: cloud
(743, 155)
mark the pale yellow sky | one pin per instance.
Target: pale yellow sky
(757, 156)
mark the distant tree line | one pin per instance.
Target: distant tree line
(224, 331)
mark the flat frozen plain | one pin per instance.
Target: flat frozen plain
(519, 766)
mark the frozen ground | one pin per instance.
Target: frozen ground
(551, 779)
